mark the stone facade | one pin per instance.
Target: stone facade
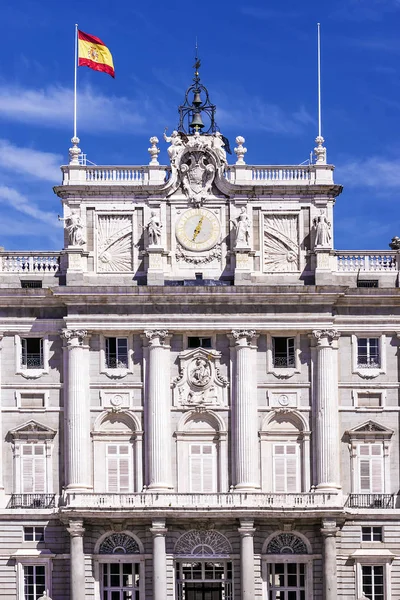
(199, 395)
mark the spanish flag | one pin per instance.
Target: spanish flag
(93, 53)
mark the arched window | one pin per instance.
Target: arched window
(201, 453)
(117, 454)
(285, 451)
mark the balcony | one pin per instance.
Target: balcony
(371, 501)
(32, 501)
(29, 262)
(305, 501)
(364, 261)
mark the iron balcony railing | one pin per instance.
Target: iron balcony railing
(32, 361)
(32, 501)
(371, 501)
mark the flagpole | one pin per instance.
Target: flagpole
(319, 81)
(75, 75)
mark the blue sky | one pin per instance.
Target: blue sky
(259, 64)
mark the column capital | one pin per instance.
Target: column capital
(155, 336)
(243, 337)
(325, 337)
(158, 528)
(329, 528)
(246, 531)
(73, 337)
(76, 529)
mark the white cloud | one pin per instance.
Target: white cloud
(373, 172)
(53, 107)
(42, 165)
(21, 203)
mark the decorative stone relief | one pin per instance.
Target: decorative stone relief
(114, 244)
(119, 543)
(197, 175)
(202, 543)
(286, 543)
(115, 401)
(214, 254)
(282, 399)
(200, 383)
(72, 334)
(281, 246)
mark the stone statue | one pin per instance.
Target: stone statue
(218, 145)
(242, 228)
(44, 597)
(200, 375)
(74, 227)
(154, 227)
(322, 230)
(176, 145)
(395, 243)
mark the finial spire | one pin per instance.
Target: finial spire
(197, 106)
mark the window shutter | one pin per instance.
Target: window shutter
(202, 468)
(124, 469)
(33, 469)
(118, 468)
(291, 469)
(208, 469)
(286, 468)
(371, 468)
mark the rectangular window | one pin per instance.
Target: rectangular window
(202, 468)
(286, 468)
(283, 352)
(33, 469)
(120, 581)
(368, 353)
(373, 582)
(371, 468)
(369, 400)
(117, 353)
(287, 581)
(34, 534)
(32, 401)
(371, 534)
(199, 342)
(119, 468)
(32, 353)
(34, 581)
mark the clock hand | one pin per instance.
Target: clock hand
(198, 229)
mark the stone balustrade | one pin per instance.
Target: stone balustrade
(29, 262)
(348, 261)
(302, 501)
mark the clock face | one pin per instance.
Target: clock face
(198, 229)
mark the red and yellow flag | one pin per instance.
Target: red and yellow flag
(93, 53)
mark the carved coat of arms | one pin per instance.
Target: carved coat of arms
(197, 176)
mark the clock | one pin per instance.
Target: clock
(198, 229)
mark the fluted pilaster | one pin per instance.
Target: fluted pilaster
(158, 531)
(77, 411)
(158, 412)
(245, 414)
(77, 560)
(329, 531)
(246, 532)
(327, 450)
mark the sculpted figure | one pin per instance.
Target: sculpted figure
(200, 374)
(74, 227)
(154, 227)
(242, 227)
(44, 597)
(176, 145)
(218, 145)
(322, 230)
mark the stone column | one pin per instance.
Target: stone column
(158, 531)
(326, 441)
(245, 449)
(77, 411)
(77, 560)
(1, 430)
(158, 413)
(246, 532)
(328, 532)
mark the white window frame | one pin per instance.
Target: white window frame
(214, 461)
(283, 372)
(376, 558)
(369, 372)
(33, 526)
(129, 457)
(297, 458)
(31, 373)
(359, 438)
(118, 372)
(25, 558)
(36, 392)
(100, 559)
(305, 559)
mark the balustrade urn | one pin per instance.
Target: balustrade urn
(245, 412)
(326, 411)
(77, 411)
(158, 412)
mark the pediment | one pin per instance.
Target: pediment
(32, 430)
(370, 428)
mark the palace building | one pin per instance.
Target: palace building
(199, 394)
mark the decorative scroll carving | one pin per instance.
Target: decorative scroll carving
(151, 334)
(214, 254)
(281, 247)
(286, 543)
(114, 244)
(202, 543)
(199, 383)
(70, 334)
(119, 543)
(330, 334)
(239, 334)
